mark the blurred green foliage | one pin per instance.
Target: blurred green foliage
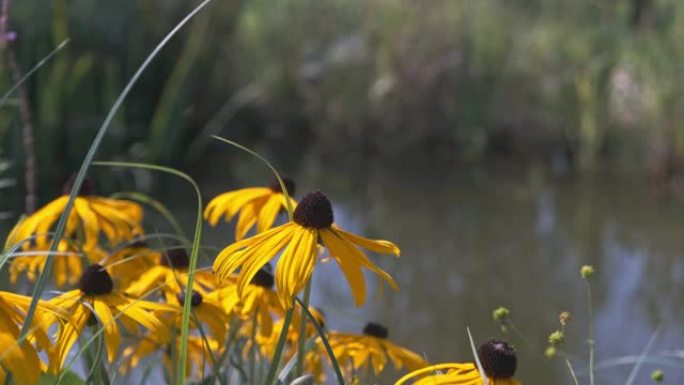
(579, 83)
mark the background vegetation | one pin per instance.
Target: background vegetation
(583, 85)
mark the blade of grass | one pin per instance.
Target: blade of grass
(155, 204)
(483, 375)
(268, 164)
(61, 224)
(644, 353)
(187, 303)
(324, 339)
(35, 68)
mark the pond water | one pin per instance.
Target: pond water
(477, 237)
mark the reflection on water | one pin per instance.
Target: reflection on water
(474, 238)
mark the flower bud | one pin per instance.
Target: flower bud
(657, 375)
(500, 314)
(556, 338)
(587, 271)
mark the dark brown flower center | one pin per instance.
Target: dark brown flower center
(195, 301)
(95, 281)
(87, 187)
(264, 277)
(375, 330)
(175, 258)
(314, 211)
(498, 359)
(289, 185)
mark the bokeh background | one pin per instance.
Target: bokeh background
(501, 144)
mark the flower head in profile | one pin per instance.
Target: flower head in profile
(31, 261)
(256, 205)
(372, 349)
(298, 240)
(498, 359)
(96, 297)
(207, 311)
(91, 216)
(259, 300)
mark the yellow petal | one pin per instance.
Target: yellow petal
(111, 331)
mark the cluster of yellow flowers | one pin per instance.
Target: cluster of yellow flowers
(133, 292)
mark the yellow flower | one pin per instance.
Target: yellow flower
(21, 359)
(96, 296)
(66, 270)
(256, 205)
(313, 220)
(259, 299)
(498, 361)
(118, 220)
(207, 310)
(170, 272)
(372, 348)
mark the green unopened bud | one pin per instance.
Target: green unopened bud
(550, 352)
(500, 314)
(556, 338)
(564, 318)
(657, 375)
(587, 271)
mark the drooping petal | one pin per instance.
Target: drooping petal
(378, 246)
(296, 264)
(258, 255)
(349, 265)
(111, 331)
(269, 213)
(68, 334)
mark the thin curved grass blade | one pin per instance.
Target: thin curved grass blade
(194, 254)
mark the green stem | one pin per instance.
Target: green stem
(324, 339)
(591, 342)
(279, 348)
(299, 368)
(571, 370)
(252, 348)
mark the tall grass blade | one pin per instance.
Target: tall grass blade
(267, 163)
(61, 224)
(194, 253)
(35, 68)
(483, 375)
(640, 360)
(279, 347)
(324, 339)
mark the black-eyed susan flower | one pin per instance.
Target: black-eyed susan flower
(498, 359)
(171, 273)
(31, 261)
(256, 205)
(92, 215)
(96, 296)
(312, 220)
(21, 359)
(259, 300)
(372, 348)
(207, 311)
